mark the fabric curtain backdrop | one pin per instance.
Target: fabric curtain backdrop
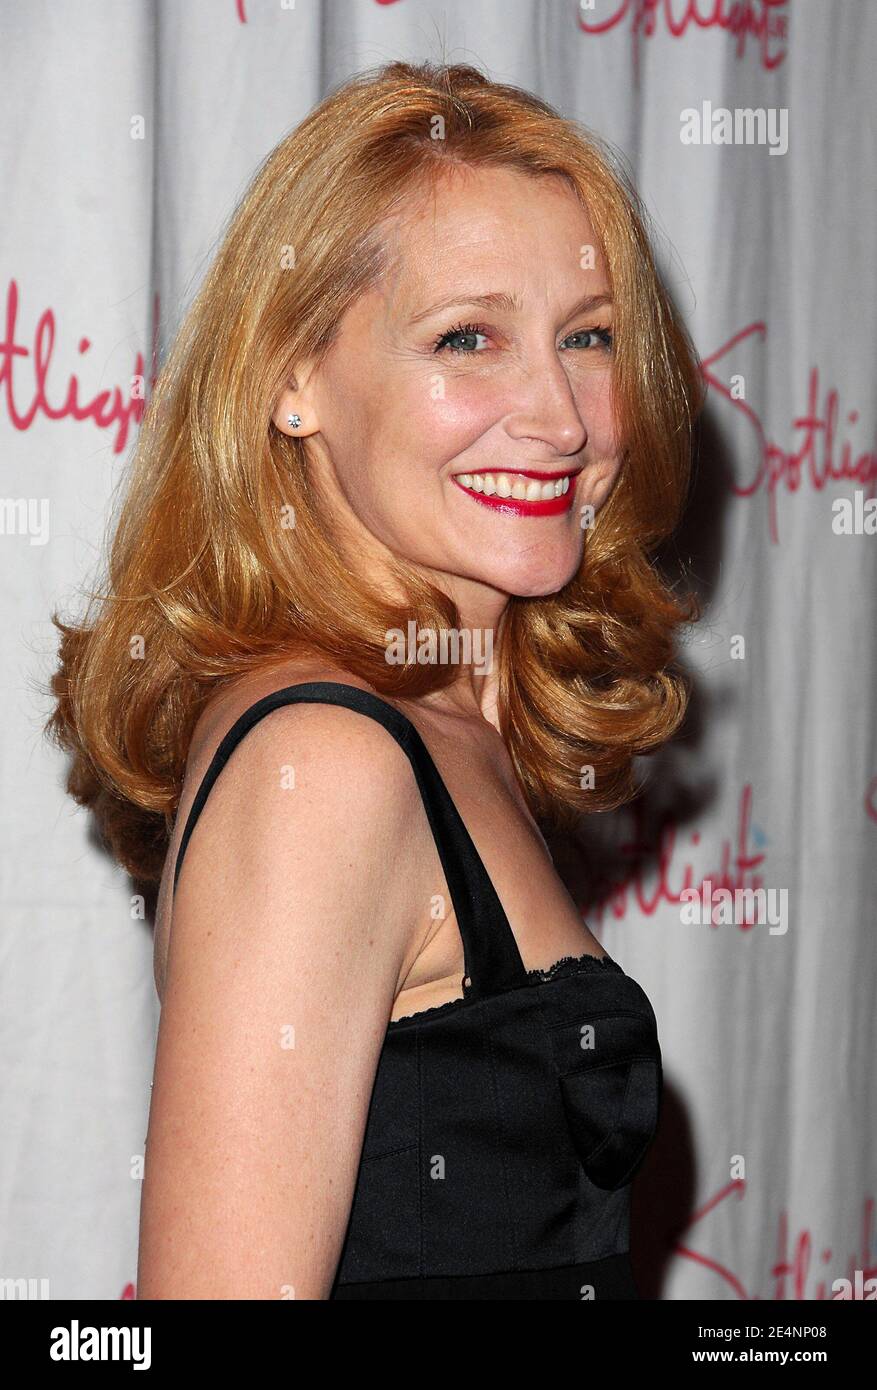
(130, 130)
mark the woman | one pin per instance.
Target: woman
(400, 476)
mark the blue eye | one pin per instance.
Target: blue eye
(477, 330)
(463, 330)
(604, 334)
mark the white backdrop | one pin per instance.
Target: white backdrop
(768, 1038)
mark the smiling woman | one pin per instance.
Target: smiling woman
(493, 405)
(431, 379)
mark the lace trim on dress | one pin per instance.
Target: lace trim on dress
(571, 965)
(567, 965)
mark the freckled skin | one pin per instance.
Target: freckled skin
(389, 421)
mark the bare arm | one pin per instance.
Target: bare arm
(292, 932)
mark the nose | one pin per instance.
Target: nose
(545, 409)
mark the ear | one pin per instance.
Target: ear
(296, 401)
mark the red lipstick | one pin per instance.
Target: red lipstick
(518, 506)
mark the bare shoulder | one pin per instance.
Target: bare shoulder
(292, 926)
(314, 808)
(312, 768)
(316, 749)
(234, 699)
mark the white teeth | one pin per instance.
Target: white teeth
(513, 485)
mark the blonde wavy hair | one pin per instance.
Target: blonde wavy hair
(202, 584)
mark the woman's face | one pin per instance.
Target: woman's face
(431, 408)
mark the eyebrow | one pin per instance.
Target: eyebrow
(505, 303)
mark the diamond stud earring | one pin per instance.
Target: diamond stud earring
(294, 421)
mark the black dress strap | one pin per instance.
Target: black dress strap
(493, 961)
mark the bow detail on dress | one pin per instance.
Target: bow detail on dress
(610, 1075)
